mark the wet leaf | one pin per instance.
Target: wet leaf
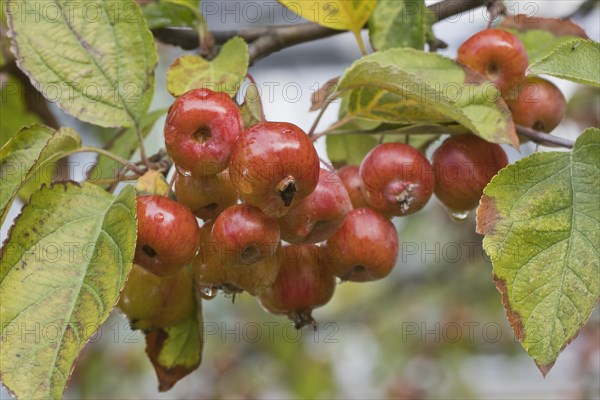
(541, 222)
(62, 269)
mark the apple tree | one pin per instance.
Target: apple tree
(232, 202)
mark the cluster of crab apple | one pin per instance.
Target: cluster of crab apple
(257, 188)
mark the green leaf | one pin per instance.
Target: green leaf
(223, 74)
(540, 43)
(541, 222)
(26, 155)
(427, 87)
(176, 351)
(541, 35)
(97, 67)
(398, 23)
(575, 61)
(167, 14)
(124, 143)
(192, 5)
(14, 113)
(62, 269)
(251, 108)
(349, 149)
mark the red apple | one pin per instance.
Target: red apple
(301, 286)
(364, 249)
(351, 178)
(272, 165)
(200, 131)
(241, 251)
(539, 104)
(496, 54)
(168, 235)
(397, 179)
(209, 273)
(317, 216)
(207, 196)
(464, 165)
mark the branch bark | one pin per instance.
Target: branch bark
(267, 40)
(544, 138)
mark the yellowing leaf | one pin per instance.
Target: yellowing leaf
(61, 272)
(176, 351)
(349, 15)
(223, 74)
(541, 221)
(251, 108)
(26, 153)
(335, 14)
(152, 182)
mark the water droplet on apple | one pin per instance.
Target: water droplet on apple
(183, 172)
(287, 131)
(208, 293)
(459, 216)
(158, 218)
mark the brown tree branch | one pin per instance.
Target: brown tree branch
(267, 40)
(544, 138)
(584, 9)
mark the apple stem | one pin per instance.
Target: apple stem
(495, 8)
(328, 100)
(140, 138)
(98, 150)
(356, 270)
(286, 188)
(302, 319)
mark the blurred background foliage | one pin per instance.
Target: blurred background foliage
(435, 328)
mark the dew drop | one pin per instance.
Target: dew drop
(208, 293)
(287, 131)
(158, 218)
(459, 216)
(203, 94)
(182, 171)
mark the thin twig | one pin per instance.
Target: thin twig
(126, 163)
(332, 96)
(127, 178)
(140, 139)
(408, 130)
(584, 9)
(536, 136)
(544, 138)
